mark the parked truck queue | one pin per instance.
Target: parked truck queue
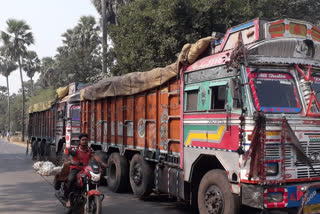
(235, 121)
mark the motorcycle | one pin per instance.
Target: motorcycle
(85, 197)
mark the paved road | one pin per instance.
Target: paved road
(22, 191)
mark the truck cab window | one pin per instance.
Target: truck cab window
(192, 100)
(218, 97)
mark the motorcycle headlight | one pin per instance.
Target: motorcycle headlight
(272, 169)
(95, 177)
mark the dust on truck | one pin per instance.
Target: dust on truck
(55, 124)
(238, 126)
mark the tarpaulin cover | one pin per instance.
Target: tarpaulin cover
(41, 106)
(129, 84)
(137, 82)
(62, 92)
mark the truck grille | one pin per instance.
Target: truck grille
(302, 169)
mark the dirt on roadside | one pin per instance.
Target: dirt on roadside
(16, 140)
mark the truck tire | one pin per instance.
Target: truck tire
(214, 195)
(141, 176)
(38, 148)
(46, 152)
(118, 173)
(34, 149)
(42, 145)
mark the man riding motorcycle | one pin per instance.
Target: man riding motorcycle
(80, 156)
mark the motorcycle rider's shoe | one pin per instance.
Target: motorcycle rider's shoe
(56, 184)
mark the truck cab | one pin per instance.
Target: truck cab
(252, 110)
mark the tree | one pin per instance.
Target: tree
(109, 11)
(3, 106)
(31, 64)
(150, 33)
(80, 56)
(7, 66)
(17, 38)
(47, 73)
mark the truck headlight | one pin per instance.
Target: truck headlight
(272, 169)
(274, 197)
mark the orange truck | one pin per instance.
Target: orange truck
(234, 121)
(55, 124)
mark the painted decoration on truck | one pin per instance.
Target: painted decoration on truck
(298, 29)
(105, 130)
(315, 33)
(120, 128)
(98, 125)
(92, 127)
(203, 133)
(164, 128)
(130, 129)
(277, 29)
(142, 128)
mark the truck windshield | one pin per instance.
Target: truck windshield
(316, 85)
(277, 92)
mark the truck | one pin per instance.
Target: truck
(55, 124)
(235, 124)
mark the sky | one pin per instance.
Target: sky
(48, 20)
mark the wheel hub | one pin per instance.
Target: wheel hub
(137, 174)
(213, 200)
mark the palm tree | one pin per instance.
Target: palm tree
(31, 65)
(46, 72)
(109, 11)
(17, 38)
(7, 66)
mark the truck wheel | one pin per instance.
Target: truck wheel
(214, 195)
(42, 148)
(34, 149)
(38, 147)
(118, 176)
(45, 151)
(141, 176)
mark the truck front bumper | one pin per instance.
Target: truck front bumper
(306, 195)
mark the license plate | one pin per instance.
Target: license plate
(312, 209)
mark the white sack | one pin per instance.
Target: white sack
(46, 168)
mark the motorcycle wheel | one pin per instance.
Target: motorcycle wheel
(95, 206)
